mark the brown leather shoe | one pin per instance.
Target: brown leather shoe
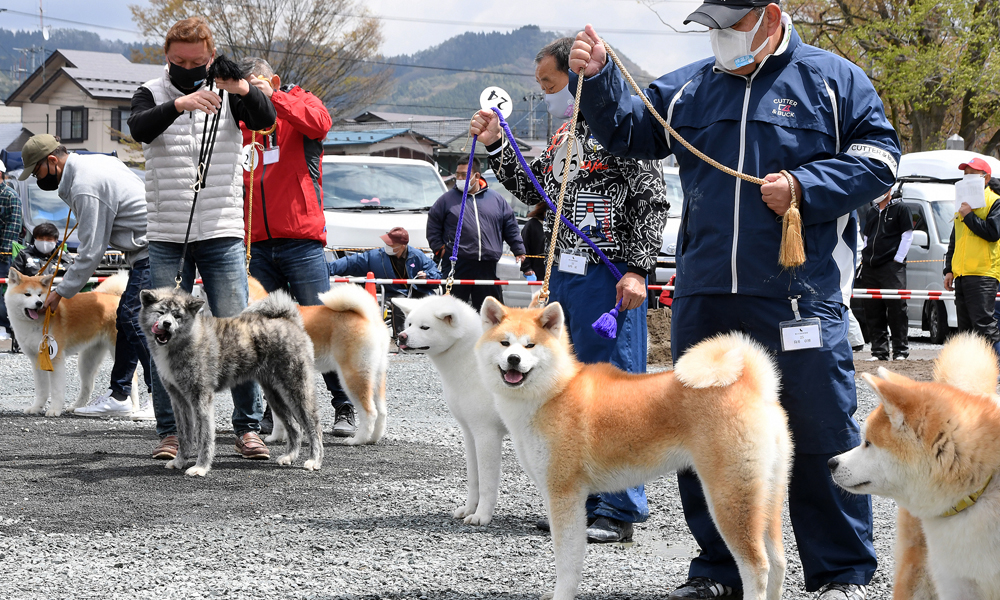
(167, 449)
(249, 445)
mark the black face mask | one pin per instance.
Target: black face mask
(188, 80)
(49, 183)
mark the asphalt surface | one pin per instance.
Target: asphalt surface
(85, 513)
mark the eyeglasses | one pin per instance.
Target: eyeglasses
(40, 163)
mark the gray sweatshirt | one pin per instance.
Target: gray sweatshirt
(109, 201)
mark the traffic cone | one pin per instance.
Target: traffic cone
(370, 285)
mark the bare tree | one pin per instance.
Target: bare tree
(325, 46)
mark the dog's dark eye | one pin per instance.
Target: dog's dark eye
(505, 343)
(529, 346)
(867, 443)
(424, 327)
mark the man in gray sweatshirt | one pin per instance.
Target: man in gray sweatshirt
(109, 201)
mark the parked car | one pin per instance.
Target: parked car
(365, 196)
(666, 262)
(926, 183)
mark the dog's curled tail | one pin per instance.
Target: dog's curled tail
(349, 297)
(114, 285)
(277, 305)
(720, 361)
(967, 362)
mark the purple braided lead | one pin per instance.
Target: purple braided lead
(461, 211)
(538, 188)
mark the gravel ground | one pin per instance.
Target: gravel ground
(85, 514)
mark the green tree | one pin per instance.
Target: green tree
(322, 45)
(935, 63)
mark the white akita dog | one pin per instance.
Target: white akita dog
(934, 448)
(447, 329)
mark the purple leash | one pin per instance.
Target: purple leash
(461, 216)
(606, 326)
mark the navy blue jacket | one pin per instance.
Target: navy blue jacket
(378, 262)
(489, 221)
(803, 110)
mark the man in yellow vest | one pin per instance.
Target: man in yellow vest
(972, 265)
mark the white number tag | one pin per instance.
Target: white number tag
(801, 335)
(495, 96)
(573, 263)
(559, 162)
(248, 158)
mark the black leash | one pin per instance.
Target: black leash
(204, 161)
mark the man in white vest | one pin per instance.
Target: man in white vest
(168, 117)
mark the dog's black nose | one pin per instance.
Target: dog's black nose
(513, 360)
(832, 463)
(402, 336)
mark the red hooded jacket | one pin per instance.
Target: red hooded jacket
(290, 203)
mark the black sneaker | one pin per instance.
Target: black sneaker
(343, 424)
(703, 587)
(543, 523)
(606, 530)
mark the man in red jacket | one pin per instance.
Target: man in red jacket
(288, 228)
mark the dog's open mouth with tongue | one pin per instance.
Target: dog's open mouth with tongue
(31, 313)
(513, 377)
(162, 335)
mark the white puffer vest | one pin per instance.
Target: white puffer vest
(171, 168)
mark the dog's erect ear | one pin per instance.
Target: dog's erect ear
(47, 279)
(404, 304)
(492, 313)
(896, 378)
(14, 276)
(552, 319)
(193, 305)
(147, 297)
(889, 393)
(446, 315)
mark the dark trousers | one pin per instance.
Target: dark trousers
(975, 300)
(130, 346)
(476, 269)
(833, 529)
(298, 267)
(882, 313)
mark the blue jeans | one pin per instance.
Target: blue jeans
(584, 298)
(833, 529)
(221, 263)
(299, 267)
(130, 347)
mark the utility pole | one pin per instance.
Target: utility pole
(533, 98)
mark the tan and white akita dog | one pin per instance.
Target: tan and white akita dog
(934, 448)
(348, 337)
(83, 324)
(580, 429)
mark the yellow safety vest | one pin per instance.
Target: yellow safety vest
(974, 255)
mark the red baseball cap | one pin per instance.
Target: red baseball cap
(396, 235)
(979, 165)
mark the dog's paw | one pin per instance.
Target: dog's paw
(173, 463)
(463, 511)
(196, 471)
(285, 460)
(548, 595)
(312, 465)
(33, 410)
(477, 519)
(275, 438)
(53, 412)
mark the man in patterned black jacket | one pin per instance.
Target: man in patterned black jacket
(621, 205)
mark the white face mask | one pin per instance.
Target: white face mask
(560, 104)
(45, 247)
(390, 250)
(733, 48)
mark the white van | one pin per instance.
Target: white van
(926, 182)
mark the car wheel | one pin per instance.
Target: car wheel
(937, 321)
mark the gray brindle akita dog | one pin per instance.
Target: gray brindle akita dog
(197, 355)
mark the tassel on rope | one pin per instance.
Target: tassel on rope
(793, 252)
(606, 325)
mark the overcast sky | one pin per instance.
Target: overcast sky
(629, 25)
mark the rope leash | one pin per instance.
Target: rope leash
(792, 252)
(44, 360)
(461, 217)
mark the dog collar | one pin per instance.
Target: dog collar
(968, 501)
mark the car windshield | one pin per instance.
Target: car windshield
(386, 185)
(675, 195)
(47, 206)
(944, 214)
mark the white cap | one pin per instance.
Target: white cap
(3, 167)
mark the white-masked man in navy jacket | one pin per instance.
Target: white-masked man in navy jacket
(766, 102)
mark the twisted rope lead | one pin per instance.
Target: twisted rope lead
(461, 217)
(792, 252)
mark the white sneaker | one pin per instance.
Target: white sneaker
(145, 413)
(105, 406)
